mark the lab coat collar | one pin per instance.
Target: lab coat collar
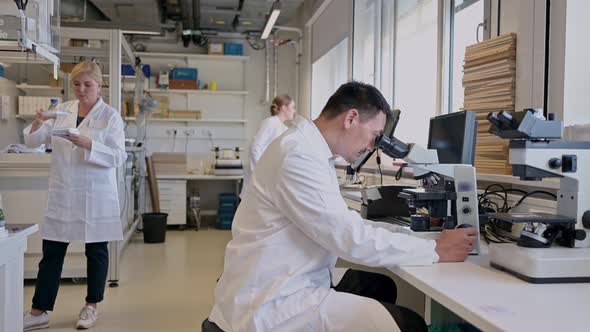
(313, 134)
(99, 103)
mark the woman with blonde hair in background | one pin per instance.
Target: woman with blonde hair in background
(83, 202)
(282, 109)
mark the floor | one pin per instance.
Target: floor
(163, 287)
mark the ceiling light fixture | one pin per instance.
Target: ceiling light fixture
(275, 10)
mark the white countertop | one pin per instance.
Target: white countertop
(24, 164)
(497, 301)
(16, 232)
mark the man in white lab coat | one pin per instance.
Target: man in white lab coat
(294, 224)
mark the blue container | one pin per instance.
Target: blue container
(233, 49)
(147, 70)
(225, 220)
(127, 70)
(184, 74)
(226, 210)
(224, 224)
(1, 71)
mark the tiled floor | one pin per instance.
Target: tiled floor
(163, 287)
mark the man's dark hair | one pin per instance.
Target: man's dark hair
(363, 97)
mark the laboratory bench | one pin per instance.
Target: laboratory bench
(489, 299)
(12, 251)
(24, 182)
(174, 190)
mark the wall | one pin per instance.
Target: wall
(576, 104)
(9, 128)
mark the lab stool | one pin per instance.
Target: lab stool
(209, 326)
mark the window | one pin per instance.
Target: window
(367, 34)
(327, 74)
(467, 17)
(416, 47)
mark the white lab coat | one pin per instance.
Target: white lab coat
(270, 128)
(83, 202)
(286, 236)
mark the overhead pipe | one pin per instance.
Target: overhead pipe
(187, 21)
(196, 20)
(267, 51)
(275, 66)
(298, 55)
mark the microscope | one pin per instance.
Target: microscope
(448, 193)
(551, 248)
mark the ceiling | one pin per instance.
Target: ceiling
(148, 15)
(220, 14)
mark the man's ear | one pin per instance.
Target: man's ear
(351, 118)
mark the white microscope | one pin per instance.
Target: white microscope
(551, 248)
(449, 190)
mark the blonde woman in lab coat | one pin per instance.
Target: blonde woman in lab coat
(282, 109)
(83, 201)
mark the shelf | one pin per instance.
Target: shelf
(192, 120)
(125, 77)
(38, 87)
(197, 92)
(25, 116)
(192, 56)
(11, 51)
(85, 51)
(22, 57)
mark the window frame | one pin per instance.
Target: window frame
(449, 12)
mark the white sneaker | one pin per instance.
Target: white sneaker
(31, 322)
(88, 317)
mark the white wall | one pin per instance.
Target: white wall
(576, 103)
(526, 19)
(9, 128)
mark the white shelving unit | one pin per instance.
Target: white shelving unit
(197, 92)
(223, 111)
(187, 56)
(191, 120)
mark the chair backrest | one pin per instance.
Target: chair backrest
(209, 326)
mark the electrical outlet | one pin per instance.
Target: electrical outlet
(171, 132)
(189, 132)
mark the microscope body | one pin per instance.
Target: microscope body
(552, 248)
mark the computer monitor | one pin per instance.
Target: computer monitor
(453, 136)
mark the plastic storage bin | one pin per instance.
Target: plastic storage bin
(184, 74)
(127, 70)
(233, 49)
(154, 227)
(226, 210)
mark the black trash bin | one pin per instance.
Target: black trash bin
(154, 227)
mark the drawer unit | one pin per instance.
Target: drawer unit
(173, 200)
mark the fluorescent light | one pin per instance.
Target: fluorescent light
(272, 18)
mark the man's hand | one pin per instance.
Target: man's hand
(80, 140)
(454, 245)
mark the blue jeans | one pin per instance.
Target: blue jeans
(51, 265)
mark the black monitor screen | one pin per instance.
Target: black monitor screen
(453, 136)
